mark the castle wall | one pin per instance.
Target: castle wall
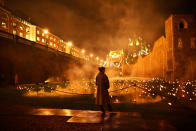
(174, 56)
(154, 64)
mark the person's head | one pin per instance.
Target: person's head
(102, 69)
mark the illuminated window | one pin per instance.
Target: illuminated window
(193, 42)
(54, 39)
(14, 32)
(42, 34)
(50, 43)
(54, 45)
(180, 45)
(137, 43)
(50, 38)
(27, 36)
(14, 24)
(38, 39)
(27, 30)
(131, 43)
(21, 34)
(3, 24)
(46, 36)
(38, 32)
(43, 40)
(21, 28)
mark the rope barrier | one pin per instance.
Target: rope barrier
(85, 94)
(69, 92)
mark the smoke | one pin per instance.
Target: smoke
(80, 71)
(99, 26)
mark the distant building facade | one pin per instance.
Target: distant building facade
(11, 23)
(173, 55)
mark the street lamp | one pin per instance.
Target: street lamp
(97, 58)
(91, 55)
(83, 51)
(46, 32)
(69, 44)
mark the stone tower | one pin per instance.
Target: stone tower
(181, 49)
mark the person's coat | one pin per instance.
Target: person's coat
(103, 85)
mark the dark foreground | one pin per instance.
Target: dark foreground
(79, 113)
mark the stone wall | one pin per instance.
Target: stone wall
(23, 61)
(170, 59)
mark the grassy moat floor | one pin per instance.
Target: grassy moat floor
(180, 114)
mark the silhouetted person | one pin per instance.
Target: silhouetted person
(103, 85)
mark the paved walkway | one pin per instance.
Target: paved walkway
(112, 121)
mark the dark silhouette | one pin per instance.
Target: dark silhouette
(103, 85)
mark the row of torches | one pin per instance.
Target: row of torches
(168, 90)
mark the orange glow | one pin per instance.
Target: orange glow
(97, 58)
(83, 51)
(45, 31)
(69, 44)
(91, 55)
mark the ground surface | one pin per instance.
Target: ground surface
(40, 113)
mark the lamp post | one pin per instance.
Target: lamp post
(46, 32)
(68, 48)
(83, 52)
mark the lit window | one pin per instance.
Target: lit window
(14, 32)
(21, 34)
(180, 45)
(38, 32)
(3, 24)
(14, 24)
(27, 36)
(54, 39)
(50, 38)
(43, 40)
(193, 42)
(131, 43)
(46, 36)
(50, 43)
(27, 29)
(42, 34)
(137, 43)
(21, 28)
(38, 39)
(54, 45)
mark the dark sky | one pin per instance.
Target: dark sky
(102, 25)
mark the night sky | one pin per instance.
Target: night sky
(102, 25)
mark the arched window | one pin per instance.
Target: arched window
(183, 24)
